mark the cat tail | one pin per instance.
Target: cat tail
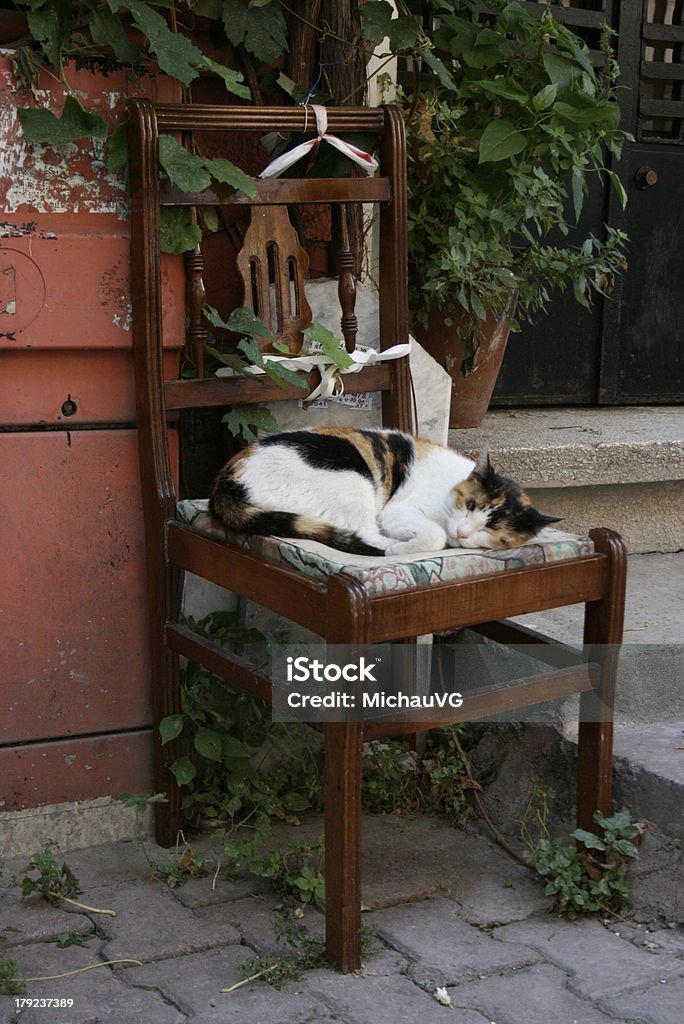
(288, 524)
(251, 520)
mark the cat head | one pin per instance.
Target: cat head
(491, 511)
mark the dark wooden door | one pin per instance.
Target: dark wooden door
(630, 348)
(642, 357)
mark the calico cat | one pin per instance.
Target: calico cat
(371, 492)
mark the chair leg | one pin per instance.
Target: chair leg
(163, 602)
(343, 741)
(603, 624)
(166, 682)
(348, 616)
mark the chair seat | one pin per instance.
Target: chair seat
(386, 575)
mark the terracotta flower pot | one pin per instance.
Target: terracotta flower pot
(470, 396)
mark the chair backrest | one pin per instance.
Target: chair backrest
(271, 263)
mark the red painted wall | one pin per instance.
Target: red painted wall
(74, 693)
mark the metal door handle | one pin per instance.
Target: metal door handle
(645, 177)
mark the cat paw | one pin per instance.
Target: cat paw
(398, 532)
(404, 547)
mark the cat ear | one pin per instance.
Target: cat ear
(543, 520)
(482, 468)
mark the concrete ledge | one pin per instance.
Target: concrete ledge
(647, 515)
(581, 447)
(71, 825)
(621, 468)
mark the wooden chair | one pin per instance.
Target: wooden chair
(334, 601)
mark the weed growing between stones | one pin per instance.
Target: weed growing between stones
(301, 952)
(587, 878)
(12, 982)
(54, 883)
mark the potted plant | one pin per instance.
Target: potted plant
(502, 142)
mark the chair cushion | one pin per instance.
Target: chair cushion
(391, 574)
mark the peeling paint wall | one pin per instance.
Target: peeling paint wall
(74, 660)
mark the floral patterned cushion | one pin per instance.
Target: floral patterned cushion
(390, 574)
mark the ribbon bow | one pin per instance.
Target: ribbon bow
(359, 156)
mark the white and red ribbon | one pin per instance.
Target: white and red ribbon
(331, 384)
(359, 156)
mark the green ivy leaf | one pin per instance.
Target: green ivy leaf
(117, 149)
(278, 373)
(74, 123)
(170, 727)
(227, 173)
(214, 317)
(500, 140)
(329, 344)
(107, 30)
(245, 321)
(184, 168)
(235, 17)
(184, 770)
(232, 79)
(210, 219)
(376, 16)
(438, 68)
(284, 377)
(240, 420)
(231, 359)
(44, 25)
(177, 233)
(173, 52)
(261, 30)
(378, 24)
(208, 743)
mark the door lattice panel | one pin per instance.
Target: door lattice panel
(661, 84)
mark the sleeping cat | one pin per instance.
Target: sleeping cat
(371, 492)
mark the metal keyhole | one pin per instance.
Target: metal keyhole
(69, 408)
(645, 177)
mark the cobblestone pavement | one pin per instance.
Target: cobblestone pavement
(450, 909)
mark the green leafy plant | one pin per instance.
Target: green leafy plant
(141, 801)
(184, 863)
(295, 871)
(237, 766)
(243, 321)
(502, 148)
(54, 882)
(66, 939)
(243, 420)
(587, 878)
(101, 33)
(11, 981)
(396, 779)
(302, 951)
(63, 36)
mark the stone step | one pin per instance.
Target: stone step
(616, 467)
(649, 730)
